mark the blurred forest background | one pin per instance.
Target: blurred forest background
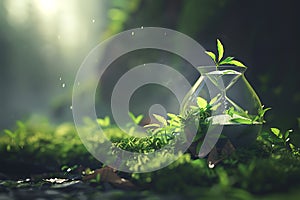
(43, 42)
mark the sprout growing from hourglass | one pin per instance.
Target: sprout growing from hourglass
(223, 76)
(227, 61)
(234, 110)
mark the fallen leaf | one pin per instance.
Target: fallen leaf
(109, 175)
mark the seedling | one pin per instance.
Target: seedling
(218, 60)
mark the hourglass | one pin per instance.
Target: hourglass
(233, 102)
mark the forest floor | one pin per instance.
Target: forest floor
(50, 162)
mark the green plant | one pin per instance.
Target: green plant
(283, 139)
(239, 116)
(218, 60)
(105, 122)
(17, 137)
(47, 144)
(278, 141)
(159, 135)
(243, 117)
(167, 126)
(197, 118)
(135, 119)
(96, 179)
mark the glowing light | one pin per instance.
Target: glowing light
(47, 6)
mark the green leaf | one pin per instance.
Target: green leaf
(96, 179)
(131, 130)
(286, 134)
(21, 125)
(230, 111)
(241, 120)
(215, 107)
(262, 111)
(157, 130)
(63, 168)
(212, 55)
(194, 108)
(213, 100)
(104, 122)
(226, 60)
(161, 119)
(138, 119)
(173, 117)
(236, 63)
(276, 132)
(202, 103)
(152, 125)
(255, 119)
(135, 119)
(292, 146)
(131, 115)
(173, 123)
(9, 133)
(220, 50)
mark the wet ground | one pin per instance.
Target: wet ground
(62, 189)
